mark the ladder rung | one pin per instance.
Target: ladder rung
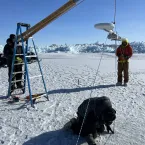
(19, 54)
(35, 76)
(22, 63)
(17, 81)
(31, 56)
(17, 94)
(18, 63)
(19, 72)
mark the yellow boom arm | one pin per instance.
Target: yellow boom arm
(67, 6)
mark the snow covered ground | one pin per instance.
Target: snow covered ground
(69, 79)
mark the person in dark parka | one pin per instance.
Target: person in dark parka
(100, 115)
(8, 53)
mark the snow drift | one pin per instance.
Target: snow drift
(138, 47)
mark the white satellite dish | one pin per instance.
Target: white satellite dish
(105, 26)
(108, 27)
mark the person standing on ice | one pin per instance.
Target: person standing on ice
(8, 53)
(123, 52)
(99, 115)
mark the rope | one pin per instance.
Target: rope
(115, 52)
(116, 75)
(96, 77)
(95, 80)
(90, 94)
(115, 13)
(115, 87)
(115, 57)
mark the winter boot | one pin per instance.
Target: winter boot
(119, 84)
(125, 84)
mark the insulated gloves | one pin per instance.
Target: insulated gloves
(19, 60)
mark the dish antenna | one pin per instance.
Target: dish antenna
(108, 27)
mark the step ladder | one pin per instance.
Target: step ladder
(25, 73)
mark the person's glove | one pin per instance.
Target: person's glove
(19, 60)
(109, 129)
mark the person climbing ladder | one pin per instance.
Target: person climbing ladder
(8, 53)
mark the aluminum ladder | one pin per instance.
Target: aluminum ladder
(25, 72)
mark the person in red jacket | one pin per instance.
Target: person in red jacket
(123, 52)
